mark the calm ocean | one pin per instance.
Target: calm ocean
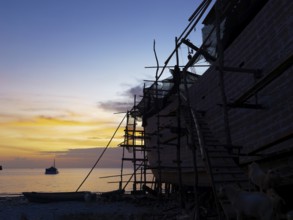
(16, 181)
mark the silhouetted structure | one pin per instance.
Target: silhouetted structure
(52, 170)
(200, 132)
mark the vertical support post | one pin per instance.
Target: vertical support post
(158, 123)
(145, 160)
(143, 144)
(133, 141)
(122, 167)
(177, 81)
(220, 60)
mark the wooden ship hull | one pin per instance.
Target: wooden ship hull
(162, 152)
(204, 130)
(258, 105)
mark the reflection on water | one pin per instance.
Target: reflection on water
(16, 181)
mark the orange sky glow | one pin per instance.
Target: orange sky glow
(35, 135)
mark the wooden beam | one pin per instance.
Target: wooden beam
(244, 105)
(269, 145)
(278, 71)
(256, 72)
(199, 50)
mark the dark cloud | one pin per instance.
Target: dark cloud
(137, 90)
(73, 158)
(87, 157)
(116, 106)
(128, 97)
(56, 153)
(22, 162)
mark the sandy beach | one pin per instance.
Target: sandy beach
(132, 208)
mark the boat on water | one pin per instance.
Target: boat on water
(52, 170)
(46, 197)
(199, 132)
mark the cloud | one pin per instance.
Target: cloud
(17, 149)
(127, 96)
(36, 129)
(25, 162)
(117, 106)
(87, 158)
(137, 90)
(72, 158)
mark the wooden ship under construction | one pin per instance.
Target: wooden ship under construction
(192, 133)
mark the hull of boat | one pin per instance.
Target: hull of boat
(187, 178)
(259, 113)
(51, 171)
(45, 197)
(167, 151)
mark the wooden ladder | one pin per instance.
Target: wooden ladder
(220, 160)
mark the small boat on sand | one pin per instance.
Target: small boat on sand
(46, 197)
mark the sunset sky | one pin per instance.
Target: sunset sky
(66, 68)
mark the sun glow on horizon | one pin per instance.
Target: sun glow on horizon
(38, 132)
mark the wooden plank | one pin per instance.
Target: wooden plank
(266, 146)
(278, 71)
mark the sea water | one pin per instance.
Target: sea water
(16, 181)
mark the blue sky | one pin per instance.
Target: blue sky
(67, 61)
(67, 47)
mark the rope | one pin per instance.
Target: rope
(101, 154)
